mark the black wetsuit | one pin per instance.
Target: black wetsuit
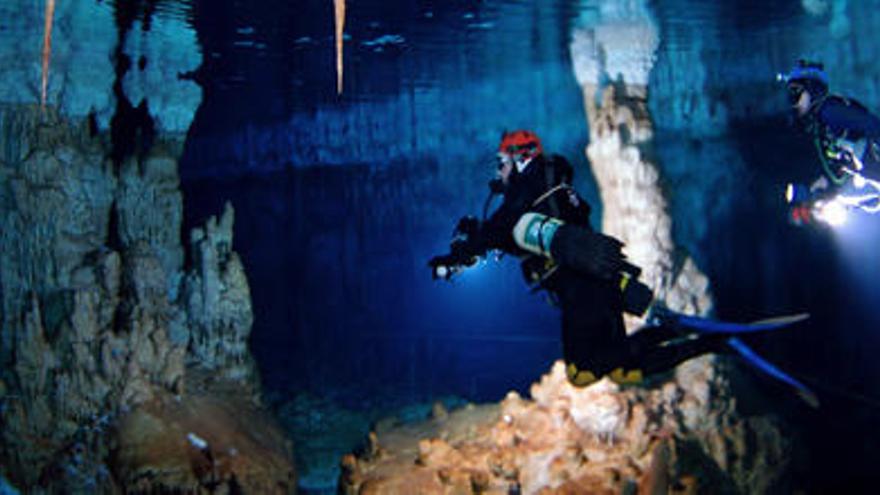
(593, 334)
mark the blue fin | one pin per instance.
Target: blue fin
(768, 368)
(705, 325)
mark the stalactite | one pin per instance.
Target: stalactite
(47, 49)
(340, 26)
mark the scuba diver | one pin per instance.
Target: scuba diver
(545, 222)
(847, 138)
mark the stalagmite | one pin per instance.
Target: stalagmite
(634, 207)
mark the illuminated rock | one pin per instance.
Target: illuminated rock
(620, 44)
(600, 439)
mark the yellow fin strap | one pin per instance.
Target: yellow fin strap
(579, 378)
(619, 376)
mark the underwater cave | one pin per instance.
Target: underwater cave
(232, 261)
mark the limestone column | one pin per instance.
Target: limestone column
(613, 54)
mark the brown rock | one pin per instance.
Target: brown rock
(202, 442)
(558, 443)
(655, 481)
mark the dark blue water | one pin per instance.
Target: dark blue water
(342, 199)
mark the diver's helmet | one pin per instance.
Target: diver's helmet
(805, 76)
(519, 148)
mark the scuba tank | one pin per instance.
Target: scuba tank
(534, 232)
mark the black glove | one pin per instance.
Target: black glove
(464, 250)
(468, 228)
(589, 252)
(460, 255)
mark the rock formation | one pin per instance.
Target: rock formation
(102, 327)
(620, 49)
(218, 302)
(635, 209)
(597, 440)
(120, 368)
